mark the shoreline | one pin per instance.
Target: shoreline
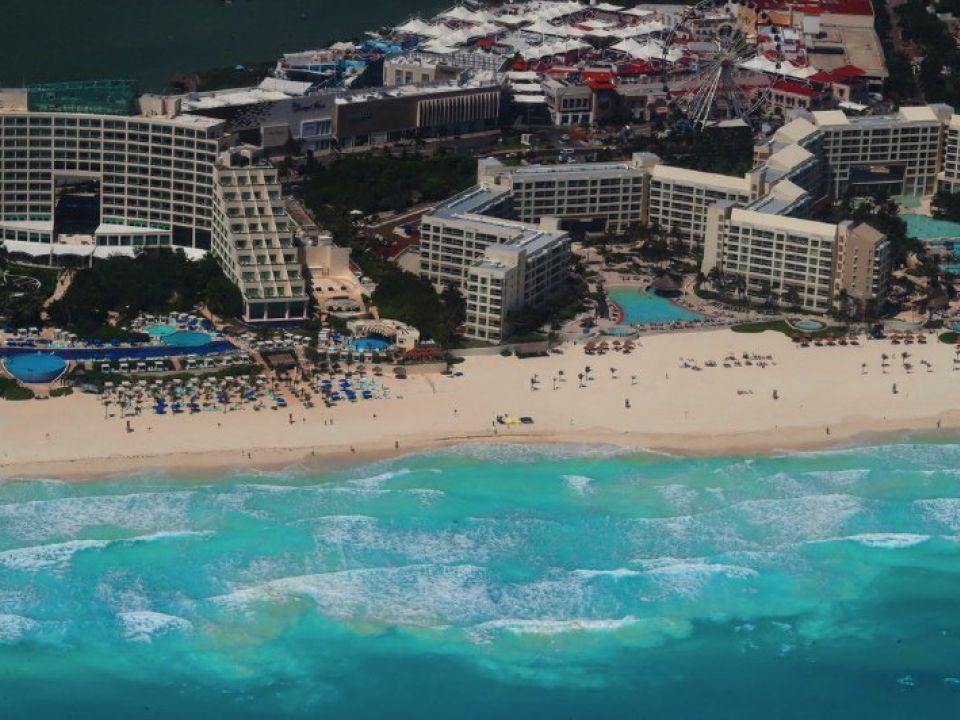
(223, 464)
(710, 392)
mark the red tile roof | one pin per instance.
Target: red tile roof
(836, 7)
(598, 75)
(795, 88)
(845, 73)
(638, 67)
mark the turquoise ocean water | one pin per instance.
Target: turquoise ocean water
(498, 582)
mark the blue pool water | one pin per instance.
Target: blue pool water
(620, 330)
(141, 352)
(186, 338)
(640, 306)
(35, 367)
(160, 330)
(808, 324)
(458, 584)
(369, 343)
(927, 228)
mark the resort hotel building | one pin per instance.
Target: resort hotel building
(753, 230)
(796, 262)
(81, 175)
(499, 265)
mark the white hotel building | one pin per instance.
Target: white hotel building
(776, 254)
(499, 265)
(162, 180)
(902, 152)
(754, 227)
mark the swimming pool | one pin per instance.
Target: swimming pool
(186, 338)
(138, 352)
(35, 367)
(160, 330)
(620, 330)
(807, 324)
(640, 306)
(928, 228)
(370, 343)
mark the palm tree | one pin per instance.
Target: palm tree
(740, 285)
(716, 279)
(843, 305)
(792, 298)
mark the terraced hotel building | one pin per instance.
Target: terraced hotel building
(157, 179)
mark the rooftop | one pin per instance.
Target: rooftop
(795, 131)
(789, 157)
(767, 221)
(473, 200)
(568, 169)
(696, 177)
(783, 197)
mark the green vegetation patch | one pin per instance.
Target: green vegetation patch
(373, 182)
(157, 281)
(12, 390)
(949, 337)
(784, 327)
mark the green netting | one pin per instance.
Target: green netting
(102, 97)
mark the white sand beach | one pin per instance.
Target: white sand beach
(825, 397)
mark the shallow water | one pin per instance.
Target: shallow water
(492, 582)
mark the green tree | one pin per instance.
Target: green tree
(792, 297)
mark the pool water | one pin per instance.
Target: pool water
(927, 228)
(160, 330)
(908, 201)
(808, 324)
(640, 306)
(620, 330)
(35, 367)
(186, 338)
(369, 344)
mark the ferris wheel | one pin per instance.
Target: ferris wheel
(715, 88)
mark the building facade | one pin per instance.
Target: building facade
(613, 192)
(328, 119)
(500, 265)
(793, 262)
(153, 181)
(900, 154)
(679, 199)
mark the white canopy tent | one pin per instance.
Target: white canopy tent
(522, 75)
(416, 26)
(787, 69)
(459, 12)
(525, 88)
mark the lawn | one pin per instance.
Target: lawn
(783, 326)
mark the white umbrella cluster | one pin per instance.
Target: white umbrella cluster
(647, 50)
(560, 47)
(416, 26)
(758, 63)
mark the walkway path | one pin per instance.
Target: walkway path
(64, 278)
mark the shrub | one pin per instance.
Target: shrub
(12, 390)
